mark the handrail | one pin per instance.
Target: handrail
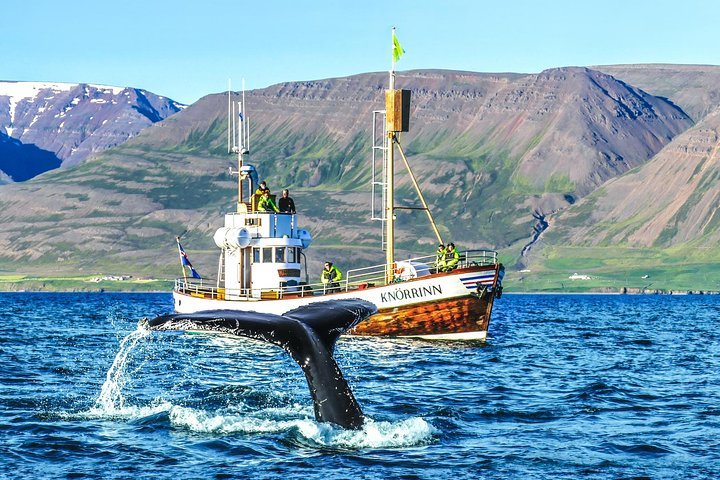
(358, 278)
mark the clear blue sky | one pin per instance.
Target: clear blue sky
(188, 49)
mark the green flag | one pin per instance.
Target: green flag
(397, 49)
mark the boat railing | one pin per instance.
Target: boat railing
(355, 279)
(371, 276)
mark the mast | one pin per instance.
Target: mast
(397, 119)
(390, 180)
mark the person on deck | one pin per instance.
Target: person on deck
(439, 258)
(286, 203)
(452, 258)
(266, 203)
(262, 189)
(330, 277)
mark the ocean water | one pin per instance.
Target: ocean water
(566, 386)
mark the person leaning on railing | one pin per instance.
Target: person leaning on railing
(330, 277)
(286, 203)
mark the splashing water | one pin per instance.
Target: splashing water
(310, 433)
(303, 431)
(111, 400)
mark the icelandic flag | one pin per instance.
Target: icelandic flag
(186, 262)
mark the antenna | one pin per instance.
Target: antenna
(246, 131)
(242, 145)
(231, 119)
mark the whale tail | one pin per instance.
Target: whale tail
(308, 334)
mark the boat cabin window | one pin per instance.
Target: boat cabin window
(291, 255)
(252, 222)
(267, 255)
(279, 254)
(256, 254)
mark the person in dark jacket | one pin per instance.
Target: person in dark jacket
(286, 203)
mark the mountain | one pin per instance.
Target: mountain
(657, 226)
(495, 154)
(47, 125)
(694, 88)
(673, 200)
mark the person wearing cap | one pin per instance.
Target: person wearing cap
(286, 203)
(266, 203)
(452, 258)
(439, 258)
(330, 277)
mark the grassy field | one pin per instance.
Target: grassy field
(618, 268)
(14, 283)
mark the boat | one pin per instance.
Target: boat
(262, 254)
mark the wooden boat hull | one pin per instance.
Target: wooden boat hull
(462, 317)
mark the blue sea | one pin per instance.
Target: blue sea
(565, 387)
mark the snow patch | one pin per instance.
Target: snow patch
(18, 91)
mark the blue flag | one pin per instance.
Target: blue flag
(185, 261)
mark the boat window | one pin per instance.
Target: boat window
(256, 254)
(267, 255)
(279, 254)
(291, 255)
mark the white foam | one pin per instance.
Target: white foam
(403, 433)
(200, 421)
(127, 412)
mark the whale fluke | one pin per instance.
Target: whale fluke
(308, 334)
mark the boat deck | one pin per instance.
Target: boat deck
(355, 279)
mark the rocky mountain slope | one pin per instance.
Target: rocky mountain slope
(673, 200)
(46, 125)
(694, 88)
(494, 154)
